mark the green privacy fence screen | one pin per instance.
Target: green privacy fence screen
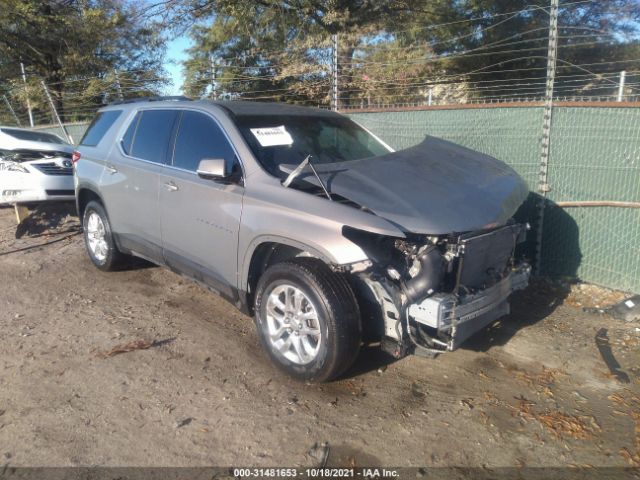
(595, 155)
(75, 130)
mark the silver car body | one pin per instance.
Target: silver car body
(34, 167)
(223, 234)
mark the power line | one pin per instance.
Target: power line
(489, 17)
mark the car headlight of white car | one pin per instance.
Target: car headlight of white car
(11, 166)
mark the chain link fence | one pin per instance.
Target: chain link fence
(74, 130)
(595, 156)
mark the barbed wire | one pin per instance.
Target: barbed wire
(492, 16)
(378, 68)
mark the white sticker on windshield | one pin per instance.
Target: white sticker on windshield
(272, 136)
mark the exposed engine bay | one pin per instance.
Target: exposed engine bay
(434, 292)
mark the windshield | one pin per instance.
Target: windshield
(33, 136)
(287, 140)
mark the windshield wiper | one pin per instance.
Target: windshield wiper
(296, 172)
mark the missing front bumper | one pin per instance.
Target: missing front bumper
(455, 319)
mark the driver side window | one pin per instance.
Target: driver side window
(200, 137)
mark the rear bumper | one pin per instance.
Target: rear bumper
(457, 320)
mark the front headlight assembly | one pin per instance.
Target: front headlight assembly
(11, 166)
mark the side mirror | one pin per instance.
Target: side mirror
(212, 168)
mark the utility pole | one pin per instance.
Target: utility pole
(623, 75)
(11, 110)
(24, 80)
(118, 86)
(543, 176)
(55, 112)
(334, 65)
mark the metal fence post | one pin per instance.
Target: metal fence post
(543, 175)
(55, 112)
(12, 110)
(334, 67)
(24, 80)
(214, 87)
(623, 74)
(118, 86)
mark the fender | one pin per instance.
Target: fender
(322, 254)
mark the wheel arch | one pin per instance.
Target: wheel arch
(83, 197)
(266, 251)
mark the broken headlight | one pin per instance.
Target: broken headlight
(418, 265)
(11, 166)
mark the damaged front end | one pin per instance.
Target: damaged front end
(431, 293)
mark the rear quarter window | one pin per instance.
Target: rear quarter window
(99, 127)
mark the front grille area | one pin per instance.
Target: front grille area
(487, 255)
(60, 193)
(53, 169)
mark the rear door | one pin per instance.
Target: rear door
(200, 218)
(129, 184)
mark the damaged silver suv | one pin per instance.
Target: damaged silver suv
(308, 222)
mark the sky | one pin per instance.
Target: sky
(176, 53)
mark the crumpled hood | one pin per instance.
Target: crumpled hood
(436, 187)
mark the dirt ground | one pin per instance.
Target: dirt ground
(533, 390)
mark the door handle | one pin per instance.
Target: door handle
(170, 186)
(111, 169)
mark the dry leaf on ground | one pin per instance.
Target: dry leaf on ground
(126, 347)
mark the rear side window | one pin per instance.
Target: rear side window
(152, 135)
(99, 127)
(200, 137)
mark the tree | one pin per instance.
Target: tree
(278, 49)
(504, 42)
(63, 41)
(395, 51)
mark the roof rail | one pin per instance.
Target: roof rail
(151, 99)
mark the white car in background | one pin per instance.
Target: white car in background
(34, 166)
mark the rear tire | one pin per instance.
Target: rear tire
(98, 238)
(308, 319)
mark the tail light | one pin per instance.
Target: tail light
(75, 156)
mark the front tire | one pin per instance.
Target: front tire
(98, 238)
(307, 319)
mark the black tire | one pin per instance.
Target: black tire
(114, 259)
(337, 311)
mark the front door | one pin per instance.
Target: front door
(200, 218)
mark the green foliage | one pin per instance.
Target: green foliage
(64, 42)
(509, 38)
(393, 51)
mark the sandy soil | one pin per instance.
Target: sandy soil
(531, 390)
